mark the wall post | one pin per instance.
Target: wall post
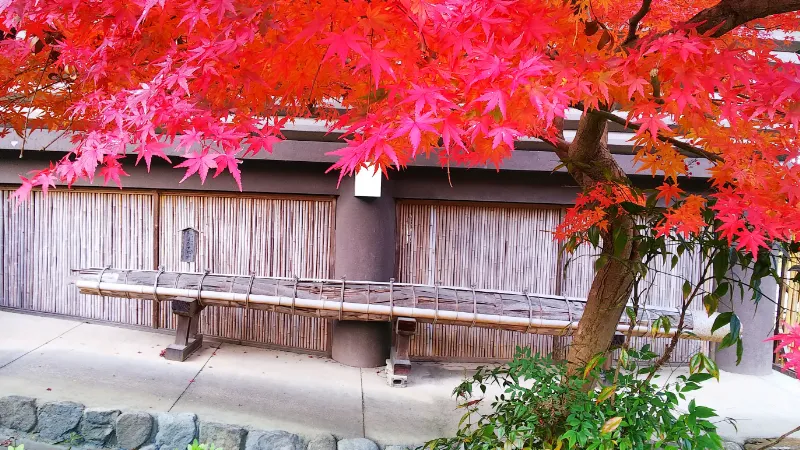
(364, 251)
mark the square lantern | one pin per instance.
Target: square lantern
(368, 182)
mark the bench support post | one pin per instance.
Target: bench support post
(187, 339)
(398, 366)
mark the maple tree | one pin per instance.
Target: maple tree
(459, 80)
(789, 347)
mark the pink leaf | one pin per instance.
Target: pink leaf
(200, 163)
(149, 150)
(112, 170)
(228, 161)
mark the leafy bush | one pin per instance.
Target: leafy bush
(543, 408)
(196, 445)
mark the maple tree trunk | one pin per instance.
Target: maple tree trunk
(611, 288)
(589, 162)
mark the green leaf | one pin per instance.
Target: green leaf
(739, 351)
(594, 236)
(736, 327)
(695, 363)
(631, 314)
(632, 208)
(700, 377)
(710, 365)
(687, 289)
(721, 289)
(721, 320)
(690, 387)
(710, 302)
(704, 412)
(592, 364)
(720, 265)
(620, 240)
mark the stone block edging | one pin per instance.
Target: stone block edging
(71, 424)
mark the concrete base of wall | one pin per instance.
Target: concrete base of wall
(361, 344)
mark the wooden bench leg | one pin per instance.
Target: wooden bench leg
(187, 339)
(398, 366)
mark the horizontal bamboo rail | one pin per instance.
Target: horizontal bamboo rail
(359, 300)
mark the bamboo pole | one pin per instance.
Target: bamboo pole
(491, 320)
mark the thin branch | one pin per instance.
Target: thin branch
(776, 441)
(633, 23)
(681, 322)
(30, 107)
(688, 148)
(559, 143)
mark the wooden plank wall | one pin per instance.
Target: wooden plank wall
(507, 247)
(268, 236)
(47, 236)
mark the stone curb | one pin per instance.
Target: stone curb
(70, 424)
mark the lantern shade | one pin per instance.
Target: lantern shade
(368, 182)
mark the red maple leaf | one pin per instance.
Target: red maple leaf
(228, 161)
(112, 170)
(200, 163)
(149, 150)
(789, 347)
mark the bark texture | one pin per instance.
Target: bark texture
(729, 14)
(590, 162)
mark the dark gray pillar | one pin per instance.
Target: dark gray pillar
(758, 323)
(365, 251)
(365, 238)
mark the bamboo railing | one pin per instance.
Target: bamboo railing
(361, 300)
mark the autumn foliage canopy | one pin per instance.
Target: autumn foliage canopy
(459, 80)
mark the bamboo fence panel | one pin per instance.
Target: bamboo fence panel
(510, 247)
(492, 247)
(789, 302)
(252, 234)
(45, 237)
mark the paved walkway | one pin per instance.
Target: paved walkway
(105, 366)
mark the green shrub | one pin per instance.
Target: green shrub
(195, 445)
(542, 408)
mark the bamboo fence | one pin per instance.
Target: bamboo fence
(375, 301)
(47, 236)
(481, 245)
(490, 247)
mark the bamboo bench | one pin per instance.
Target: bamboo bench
(402, 304)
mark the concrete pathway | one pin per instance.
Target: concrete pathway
(105, 366)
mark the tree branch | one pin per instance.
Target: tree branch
(729, 14)
(688, 149)
(559, 144)
(633, 23)
(776, 441)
